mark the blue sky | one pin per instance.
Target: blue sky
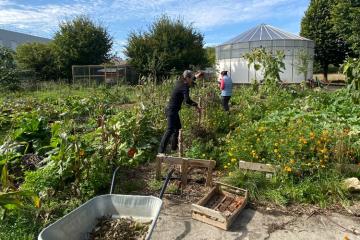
(218, 20)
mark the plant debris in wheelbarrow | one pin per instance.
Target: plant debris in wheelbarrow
(109, 228)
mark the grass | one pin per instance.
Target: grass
(323, 189)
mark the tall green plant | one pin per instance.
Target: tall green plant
(303, 61)
(351, 69)
(254, 59)
(271, 64)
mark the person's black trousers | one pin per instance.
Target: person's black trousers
(225, 102)
(172, 131)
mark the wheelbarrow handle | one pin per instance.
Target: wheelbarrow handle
(163, 188)
(113, 180)
(168, 177)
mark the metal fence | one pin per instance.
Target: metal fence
(101, 74)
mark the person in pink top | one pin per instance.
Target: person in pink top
(226, 89)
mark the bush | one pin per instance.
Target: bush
(167, 45)
(8, 72)
(38, 57)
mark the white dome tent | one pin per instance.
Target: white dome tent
(229, 55)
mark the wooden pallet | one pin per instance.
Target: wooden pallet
(220, 206)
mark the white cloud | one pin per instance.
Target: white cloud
(121, 16)
(204, 14)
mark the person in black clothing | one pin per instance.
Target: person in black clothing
(178, 95)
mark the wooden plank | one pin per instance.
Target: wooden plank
(208, 211)
(209, 177)
(231, 187)
(257, 166)
(171, 160)
(158, 168)
(184, 173)
(181, 146)
(207, 197)
(205, 219)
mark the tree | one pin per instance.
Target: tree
(317, 26)
(8, 72)
(346, 20)
(210, 55)
(167, 45)
(81, 42)
(38, 57)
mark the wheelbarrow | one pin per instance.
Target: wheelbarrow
(79, 223)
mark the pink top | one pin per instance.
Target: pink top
(222, 84)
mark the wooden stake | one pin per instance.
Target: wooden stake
(181, 146)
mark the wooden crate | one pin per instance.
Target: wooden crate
(220, 206)
(186, 164)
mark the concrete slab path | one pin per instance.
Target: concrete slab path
(175, 222)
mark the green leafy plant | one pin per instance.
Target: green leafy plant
(351, 69)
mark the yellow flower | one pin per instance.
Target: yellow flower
(203, 155)
(287, 169)
(275, 150)
(292, 161)
(276, 144)
(312, 135)
(225, 167)
(324, 150)
(230, 174)
(233, 160)
(81, 153)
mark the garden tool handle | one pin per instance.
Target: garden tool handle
(166, 182)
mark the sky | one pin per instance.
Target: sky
(218, 20)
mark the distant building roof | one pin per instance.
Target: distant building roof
(264, 32)
(12, 39)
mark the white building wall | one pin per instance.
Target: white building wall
(240, 73)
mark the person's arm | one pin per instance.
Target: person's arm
(222, 84)
(187, 98)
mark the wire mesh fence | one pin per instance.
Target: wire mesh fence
(101, 74)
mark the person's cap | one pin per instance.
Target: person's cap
(188, 73)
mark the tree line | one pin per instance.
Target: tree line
(167, 46)
(334, 26)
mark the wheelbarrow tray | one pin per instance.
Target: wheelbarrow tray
(80, 222)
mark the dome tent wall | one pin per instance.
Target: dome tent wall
(230, 55)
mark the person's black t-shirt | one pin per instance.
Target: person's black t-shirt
(178, 95)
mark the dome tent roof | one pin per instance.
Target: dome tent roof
(264, 32)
